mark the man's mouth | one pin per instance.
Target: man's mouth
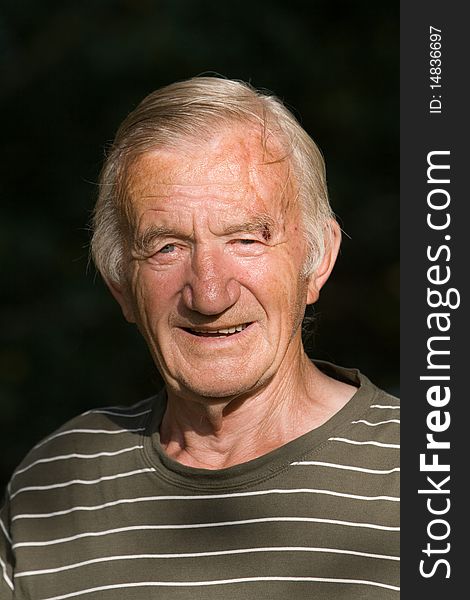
(223, 332)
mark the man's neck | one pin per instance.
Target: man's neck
(220, 433)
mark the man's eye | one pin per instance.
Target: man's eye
(167, 249)
(247, 242)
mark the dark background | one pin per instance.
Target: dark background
(70, 71)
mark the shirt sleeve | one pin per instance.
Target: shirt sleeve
(6, 555)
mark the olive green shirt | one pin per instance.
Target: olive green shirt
(99, 511)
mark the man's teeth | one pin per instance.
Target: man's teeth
(238, 328)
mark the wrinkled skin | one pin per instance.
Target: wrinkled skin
(217, 243)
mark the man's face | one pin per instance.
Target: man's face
(215, 282)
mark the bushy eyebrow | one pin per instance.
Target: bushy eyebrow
(152, 234)
(263, 224)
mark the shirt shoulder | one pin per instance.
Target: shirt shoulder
(81, 444)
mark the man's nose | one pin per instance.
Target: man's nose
(210, 288)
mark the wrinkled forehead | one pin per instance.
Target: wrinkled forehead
(235, 162)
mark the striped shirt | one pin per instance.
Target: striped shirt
(98, 511)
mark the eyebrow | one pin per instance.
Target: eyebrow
(263, 224)
(144, 241)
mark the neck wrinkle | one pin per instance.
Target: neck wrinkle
(234, 431)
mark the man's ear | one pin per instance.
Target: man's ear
(122, 296)
(319, 277)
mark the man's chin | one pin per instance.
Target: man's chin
(215, 389)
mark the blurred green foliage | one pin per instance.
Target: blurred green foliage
(70, 71)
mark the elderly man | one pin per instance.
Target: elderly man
(255, 472)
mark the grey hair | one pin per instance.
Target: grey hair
(189, 110)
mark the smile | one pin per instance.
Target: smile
(223, 332)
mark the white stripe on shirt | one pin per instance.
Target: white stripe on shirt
(219, 582)
(5, 574)
(63, 484)
(201, 497)
(105, 411)
(203, 526)
(5, 531)
(75, 455)
(379, 423)
(346, 467)
(369, 442)
(70, 431)
(203, 554)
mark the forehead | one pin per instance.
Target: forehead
(236, 164)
